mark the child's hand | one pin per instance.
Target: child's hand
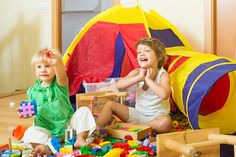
(18, 112)
(51, 57)
(151, 73)
(142, 73)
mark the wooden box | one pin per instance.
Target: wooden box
(120, 130)
(96, 100)
(202, 142)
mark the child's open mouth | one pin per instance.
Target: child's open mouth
(143, 59)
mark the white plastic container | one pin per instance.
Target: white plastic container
(101, 86)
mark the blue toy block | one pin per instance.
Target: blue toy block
(54, 144)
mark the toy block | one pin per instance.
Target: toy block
(66, 150)
(54, 144)
(120, 130)
(13, 152)
(69, 133)
(27, 109)
(104, 143)
(193, 143)
(19, 131)
(2, 146)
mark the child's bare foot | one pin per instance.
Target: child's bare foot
(79, 143)
(81, 139)
(41, 150)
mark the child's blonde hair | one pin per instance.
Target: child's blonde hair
(39, 56)
(157, 46)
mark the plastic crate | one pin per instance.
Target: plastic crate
(93, 87)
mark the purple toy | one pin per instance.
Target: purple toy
(27, 109)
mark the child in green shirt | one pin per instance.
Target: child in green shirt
(54, 111)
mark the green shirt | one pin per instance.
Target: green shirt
(53, 107)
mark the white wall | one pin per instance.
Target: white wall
(25, 28)
(186, 15)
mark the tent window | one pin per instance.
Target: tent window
(167, 36)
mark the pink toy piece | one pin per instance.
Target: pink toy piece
(27, 109)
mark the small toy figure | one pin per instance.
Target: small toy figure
(27, 109)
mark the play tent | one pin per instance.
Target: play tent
(203, 84)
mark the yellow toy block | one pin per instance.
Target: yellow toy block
(66, 150)
(104, 143)
(114, 152)
(132, 143)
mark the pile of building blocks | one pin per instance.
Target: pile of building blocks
(194, 143)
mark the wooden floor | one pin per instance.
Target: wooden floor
(8, 116)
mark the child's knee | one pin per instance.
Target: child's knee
(167, 126)
(109, 104)
(163, 126)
